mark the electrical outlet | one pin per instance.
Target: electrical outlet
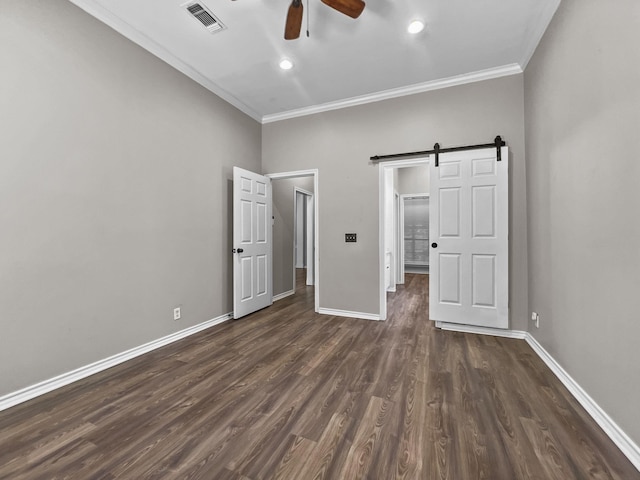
(176, 313)
(535, 318)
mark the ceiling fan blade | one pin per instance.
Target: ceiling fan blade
(294, 21)
(352, 8)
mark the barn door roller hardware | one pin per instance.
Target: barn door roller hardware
(497, 143)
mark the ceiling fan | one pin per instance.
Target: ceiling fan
(351, 8)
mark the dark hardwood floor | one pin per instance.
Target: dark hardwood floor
(288, 394)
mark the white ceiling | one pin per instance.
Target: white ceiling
(344, 61)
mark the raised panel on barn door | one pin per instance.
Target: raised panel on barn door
(449, 285)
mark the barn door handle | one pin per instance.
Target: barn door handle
(434, 245)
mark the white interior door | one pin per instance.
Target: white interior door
(469, 231)
(252, 249)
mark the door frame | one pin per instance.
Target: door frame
(384, 167)
(309, 247)
(316, 231)
(399, 225)
(394, 244)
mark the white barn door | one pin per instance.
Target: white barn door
(252, 249)
(469, 230)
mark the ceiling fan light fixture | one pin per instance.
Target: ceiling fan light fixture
(416, 26)
(286, 64)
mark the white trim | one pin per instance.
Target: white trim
(382, 189)
(119, 25)
(611, 428)
(537, 32)
(491, 73)
(303, 191)
(33, 391)
(295, 235)
(395, 210)
(310, 243)
(282, 295)
(316, 221)
(346, 313)
(99, 12)
(627, 446)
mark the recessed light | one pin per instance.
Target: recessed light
(286, 64)
(415, 27)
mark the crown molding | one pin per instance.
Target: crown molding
(479, 76)
(93, 8)
(123, 28)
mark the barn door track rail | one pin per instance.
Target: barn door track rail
(497, 143)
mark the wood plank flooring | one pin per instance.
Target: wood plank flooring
(288, 394)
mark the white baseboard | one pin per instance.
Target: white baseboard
(33, 391)
(345, 313)
(282, 295)
(611, 428)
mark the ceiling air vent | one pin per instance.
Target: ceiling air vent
(204, 16)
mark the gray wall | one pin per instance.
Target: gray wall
(582, 93)
(339, 143)
(115, 178)
(283, 227)
(413, 179)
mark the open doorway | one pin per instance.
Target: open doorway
(399, 181)
(303, 234)
(295, 233)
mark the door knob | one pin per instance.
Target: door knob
(434, 245)
(240, 250)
